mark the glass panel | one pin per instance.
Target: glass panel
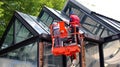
(99, 30)
(77, 12)
(22, 57)
(95, 28)
(31, 20)
(90, 25)
(49, 21)
(45, 21)
(43, 26)
(18, 26)
(21, 32)
(112, 54)
(112, 23)
(92, 55)
(9, 38)
(44, 17)
(67, 12)
(49, 59)
(106, 33)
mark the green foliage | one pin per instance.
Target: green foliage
(56, 4)
(1, 23)
(1, 10)
(32, 7)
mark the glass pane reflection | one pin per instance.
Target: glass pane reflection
(22, 57)
(112, 54)
(9, 39)
(49, 59)
(95, 28)
(92, 55)
(21, 32)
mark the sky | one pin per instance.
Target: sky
(109, 8)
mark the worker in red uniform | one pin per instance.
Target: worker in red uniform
(74, 23)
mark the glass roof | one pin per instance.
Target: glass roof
(64, 17)
(115, 24)
(110, 22)
(76, 2)
(31, 20)
(59, 14)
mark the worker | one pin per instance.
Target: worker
(74, 23)
(56, 33)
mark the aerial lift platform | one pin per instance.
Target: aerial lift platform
(69, 49)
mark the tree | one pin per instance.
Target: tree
(32, 7)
